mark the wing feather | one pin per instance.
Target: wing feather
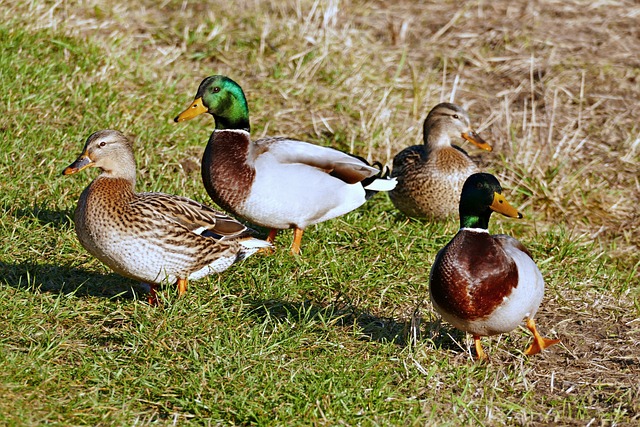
(194, 216)
(346, 167)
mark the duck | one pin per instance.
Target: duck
(486, 284)
(430, 176)
(154, 238)
(277, 183)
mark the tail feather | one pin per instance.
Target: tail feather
(379, 182)
(250, 246)
(385, 184)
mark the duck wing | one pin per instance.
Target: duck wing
(195, 217)
(338, 164)
(505, 240)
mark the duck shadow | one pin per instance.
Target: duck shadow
(46, 216)
(47, 278)
(371, 327)
(39, 278)
(402, 333)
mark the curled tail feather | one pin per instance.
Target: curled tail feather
(379, 182)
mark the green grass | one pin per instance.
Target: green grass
(323, 339)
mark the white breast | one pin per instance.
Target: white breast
(283, 195)
(523, 302)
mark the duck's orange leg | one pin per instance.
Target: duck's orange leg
(152, 298)
(297, 239)
(480, 354)
(182, 286)
(272, 235)
(539, 342)
(270, 238)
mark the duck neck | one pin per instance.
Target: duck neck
(224, 123)
(122, 168)
(436, 136)
(474, 220)
(234, 114)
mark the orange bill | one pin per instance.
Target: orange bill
(81, 163)
(476, 140)
(501, 205)
(195, 109)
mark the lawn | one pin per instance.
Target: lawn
(326, 338)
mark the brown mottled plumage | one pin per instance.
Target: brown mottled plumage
(430, 176)
(486, 284)
(151, 237)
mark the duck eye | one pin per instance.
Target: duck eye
(102, 144)
(216, 89)
(455, 116)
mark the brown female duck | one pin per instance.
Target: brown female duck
(151, 237)
(430, 176)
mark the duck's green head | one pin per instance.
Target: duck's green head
(223, 99)
(481, 196)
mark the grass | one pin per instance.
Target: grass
(323, 339)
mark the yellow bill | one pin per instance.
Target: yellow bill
(195, 109)
(501, 205)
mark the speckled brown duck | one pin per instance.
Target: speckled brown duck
(486, 284)
(151, 237)
(277, 183)
(430, 176)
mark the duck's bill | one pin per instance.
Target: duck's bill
(501, 205)
(80, 164)
(195, 109)
(476, 140)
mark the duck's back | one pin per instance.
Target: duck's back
(429, 182)
(281, 183)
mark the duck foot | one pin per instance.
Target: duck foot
(539, 342)
(182, 286)
(270, 238)
(152, 297)
(272, 235)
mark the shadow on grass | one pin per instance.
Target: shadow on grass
(68, 280)
(46, 216)
(371, 327)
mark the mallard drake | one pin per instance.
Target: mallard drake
(277, 183)
(430, 176)
(151, 237)
(486, 284)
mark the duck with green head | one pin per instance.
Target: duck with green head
(275, 182)
(486, 284)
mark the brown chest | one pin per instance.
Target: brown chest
(103, 206)
(451, 160)
(226, 172)
(472, 275)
